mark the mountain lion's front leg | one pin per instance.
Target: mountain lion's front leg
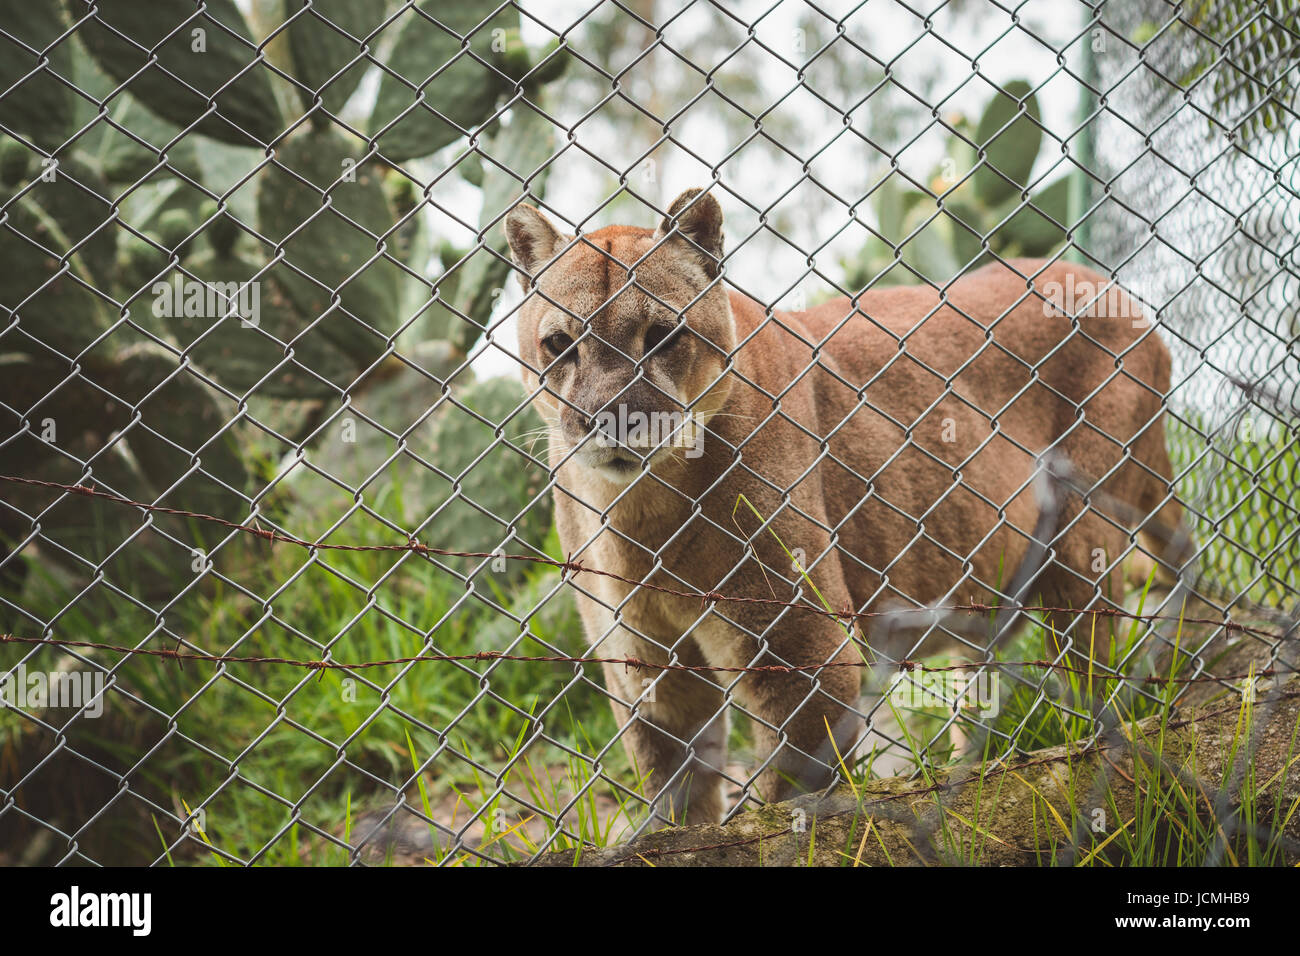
(797, 714)
(672, 722)
(676, 734)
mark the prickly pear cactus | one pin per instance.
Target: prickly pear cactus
(42, 106)
(507, 482)
(521, 151)
(326, 63)
(1010, 134)
(15, 161)
(162, 277)
(244, 332)
(432, 90)
(197, 446)
(141, 262)
(210, 52)
(983, 210)
(331, 227)
(53, 303)
(77, 197)
(190, 460)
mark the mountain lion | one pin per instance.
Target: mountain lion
(887, 442)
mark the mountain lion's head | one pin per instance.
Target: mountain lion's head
(627, 332)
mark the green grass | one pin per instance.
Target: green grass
(268, 776)
(1241, 480)
(268, 779)
(1173, 822)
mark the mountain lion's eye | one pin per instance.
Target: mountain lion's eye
(557, 344)
(660, 338)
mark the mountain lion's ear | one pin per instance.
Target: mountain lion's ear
(698, 218)
(533, 241)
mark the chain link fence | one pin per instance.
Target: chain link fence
(298, 563)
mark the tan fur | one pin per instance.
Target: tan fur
(891, 512)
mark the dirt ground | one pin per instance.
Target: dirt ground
(404, 838)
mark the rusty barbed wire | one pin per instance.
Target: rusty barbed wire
(577, 567)
(632, 663)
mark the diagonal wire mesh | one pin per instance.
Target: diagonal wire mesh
(294, 568)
